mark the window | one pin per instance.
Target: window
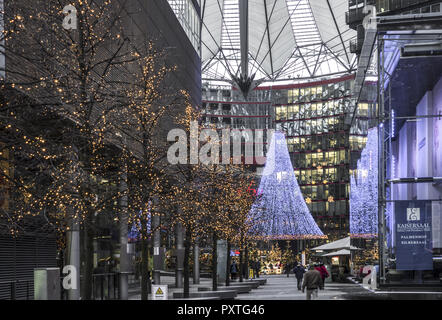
(226, 93)
(226, 107)
(281, 113)
(227, 121)
(189, 20)
(425, 9)
(293, 112)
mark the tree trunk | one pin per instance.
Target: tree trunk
(144, 268)
(73, 236)
(246, 262)
(186, 263)
(214, 263)
(241, 265)
(228, 264)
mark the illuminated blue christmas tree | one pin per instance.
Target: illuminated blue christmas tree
(134, 233)
(364, 191)
(389, 217)
(280, 212)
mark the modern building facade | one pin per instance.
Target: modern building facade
(322, 148)
(141, 21)
(407, 121)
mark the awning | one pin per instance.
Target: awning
(343, 252)
(336, 245)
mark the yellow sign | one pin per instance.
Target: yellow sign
(159, 292)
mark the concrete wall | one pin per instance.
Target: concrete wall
(155, 20)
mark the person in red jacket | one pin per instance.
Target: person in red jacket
(323, 271)
(318, 268)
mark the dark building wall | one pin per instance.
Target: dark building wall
(148, 20)
(19, 256)
(142, 21)
(155, 20)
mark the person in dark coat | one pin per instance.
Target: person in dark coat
(312, 281)
(233, 270)
(299, 273)
(257, 268)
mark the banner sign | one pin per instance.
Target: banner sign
(414, 249)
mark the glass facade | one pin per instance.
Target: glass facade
(322, 148)
(417, 6)
(189, 19)
(226, 109)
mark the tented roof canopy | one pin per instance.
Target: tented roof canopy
(336, 245)
(284, 39)
(342, 252)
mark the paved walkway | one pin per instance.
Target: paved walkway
(278, 287)
(281, 287)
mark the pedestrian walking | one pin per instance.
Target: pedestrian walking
(312, 281)
(288, 267)
(257, 268)
(233, 270)
(299, 273)
(324, 273)
(252, 269)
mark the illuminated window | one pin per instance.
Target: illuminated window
(281, 113)
(313, 108)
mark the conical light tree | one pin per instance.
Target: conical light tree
(364, 191)
(280, 211)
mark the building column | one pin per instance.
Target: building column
(179, 251)
(73, 256)
(157, 263)
(196, 264)
(222, 260)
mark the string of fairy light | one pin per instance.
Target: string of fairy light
(108, 100)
